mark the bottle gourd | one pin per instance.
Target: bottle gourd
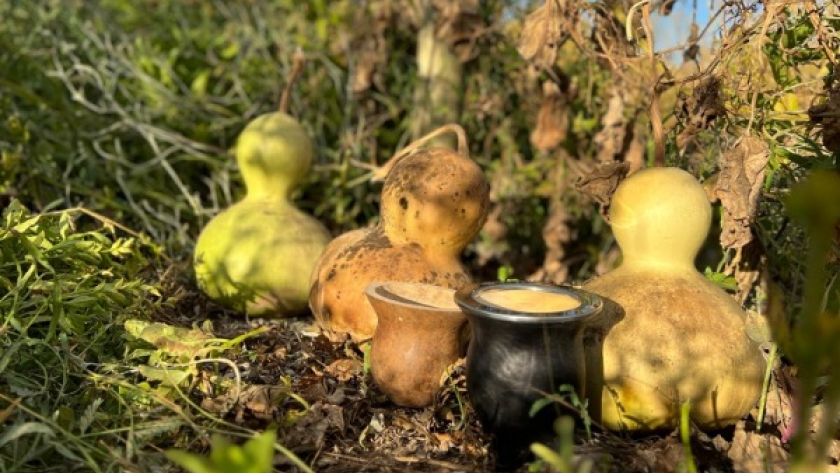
(672, 336)
(257, 255)
(433, 204)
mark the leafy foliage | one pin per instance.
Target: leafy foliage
(66, 293)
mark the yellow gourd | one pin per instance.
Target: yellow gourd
(672, 335)
(256, 256)
(433, 204)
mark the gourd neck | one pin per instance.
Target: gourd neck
(680, 265)
(271, 196)
(433, 250)
(266, 187)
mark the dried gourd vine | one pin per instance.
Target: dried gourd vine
(298, 63)
(380, 173)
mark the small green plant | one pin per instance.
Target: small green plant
(505, 273)
(562, 459)
(567, 396)
(254, 456)
(724, 281)
(685, 437)
(173, 361)
(811, 335)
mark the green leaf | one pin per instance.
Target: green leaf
(538, 405)
(27, 428)
(254, 456)
(199, 84)
(168, 376)
(724, 281)
(191, 462)
(814, 201)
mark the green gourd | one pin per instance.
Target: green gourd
(256, 256)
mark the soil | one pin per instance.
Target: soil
(334, 418)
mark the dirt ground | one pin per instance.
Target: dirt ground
(350, 426)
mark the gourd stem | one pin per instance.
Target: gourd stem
(380, 173)
(298, 61)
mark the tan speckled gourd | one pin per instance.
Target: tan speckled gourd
(256, 256)
(675, 336)
(433, 204)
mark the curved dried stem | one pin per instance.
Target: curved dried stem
(298, 61)
(380, 173)
(655, 113)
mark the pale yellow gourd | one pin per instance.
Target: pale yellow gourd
(673, 336)
(433, 204)
(257, 255)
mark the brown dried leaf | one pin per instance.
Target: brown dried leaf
(542, 34)
(664, 455)
(666, 7)
(459, 24)
(364, 74)
(755, 453)
(370, 44)
(610, 140)
(699, 110)
(345, 369)
(738, 187)
(828, 115)
(557, 234)
(261, 401)
(778, 409)
(311, 428)
(746, 267)
(757, 328)
(492, 244)
(609, 37)
(600, 184)
(552, 119)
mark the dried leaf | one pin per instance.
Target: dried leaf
(609, 37)
(738, 188)
(459, 24)
(600, 184)
(745, 267)
(757, 328)
(310, 430)
(370, 44)
(828, 115)
(557, 234)
(755, 453)
(552, 119)
(610, 140)
(542, 34)
(345, 369)
(263, 401)
(367, 64)
(666, 7)
(699, 110)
